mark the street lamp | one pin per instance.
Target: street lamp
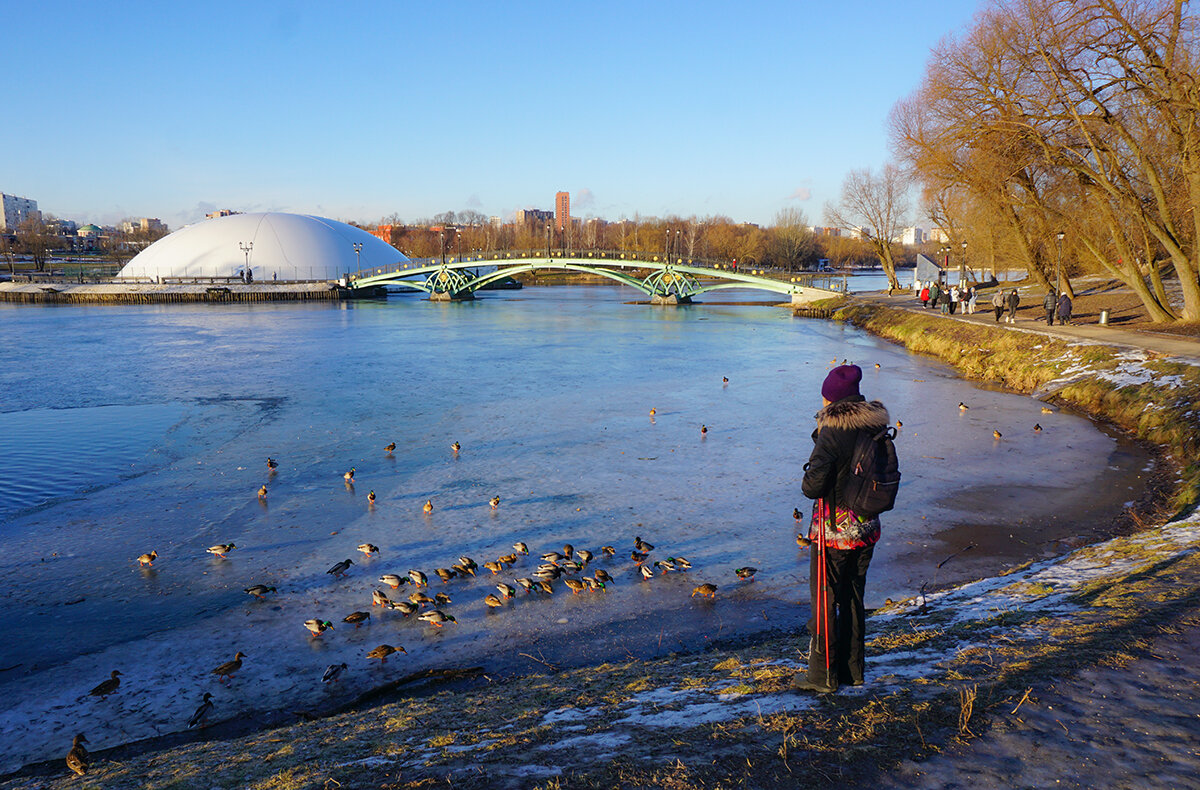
(962, 273)
(1058, 265)
(245, 247)
(442, 246)
(677, 234)
(358, 254)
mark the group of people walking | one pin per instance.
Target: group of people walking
(1060, 307)
(933, 294)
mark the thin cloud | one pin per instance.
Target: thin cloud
(801, 193)
(584, 199)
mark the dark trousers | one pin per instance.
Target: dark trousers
(998, 310)
(846, 583)
(1050, 317)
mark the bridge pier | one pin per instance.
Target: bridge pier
(669, 299)
(446, 296)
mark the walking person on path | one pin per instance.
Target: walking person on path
(1049, 304)
(935, 293)
(971, 300)
(925, 297)
(998, 303)
(1012, 300)
(836, 648)
(1064, 309)
(955, 296)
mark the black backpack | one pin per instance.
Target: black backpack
(874, 478)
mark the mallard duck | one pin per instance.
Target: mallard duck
(456, 447)
(333, 672)
(441, 599)
(666, 566)
(445, 574)
(638, 557)
(468, 562)
(1037, 428)
(899, 425)
(642, 546)
(392, 580)
(420, 598)
(147, 560)
(962, 406)
(463, 570)
(221, 549)
(877, 366)
(436, 617)
(724, 379)
(358, 618)
(705, 591)
(492, 601)
(591, 584)
(609, 551)
(575, 585)
(703, 430)
(520, 547)
(317, 627)
(259, 590)
(545, 586)
(78, 759)
(646, 572)
(418, 578)
(653, 412)
(796, 514)
(584, 556)
(507, 590)
(371, 497)
(493, 566)
(383, 651)
(262, 492)
(553, 556)
(107, 687)
(746, 572)
(571, 566)
(226, 670)
(603, 577)
(494, 502)
(680, 562)
(547, 572)
(997, 435)
(508, 559)
(568, 550)
(205, 707)
(428, 507)
(1047, 410)
(379, 598)
(404, 607)
(389, 448)
(349, 476)
(803, 542)
(525, 584)
(340, 568)
(368, 548)
(271, 464)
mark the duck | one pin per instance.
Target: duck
(368, 548)
(221, 549)
(371, 497)
(1047, 410)
(746, 572)
(78, 759)
(575, 585)
(271, 465)
(962, 406)
(258, 590)
(899, 425)
(638, 557)
(603, 577)
(584, 556)
(349, 476)
(724, 379)
(436, 617)
(392, 580)
(507, 590)
(997, 435)
(666, 566)
(493, 566)
(877, 366)
(803, 542)
(494, 502)
(642, 545)
(653, 412)
(404, 607)
(467, 562)
(608, 551)
(441, 599)
(379, 598)
(525, 584)
(317, 627)
(383, 651)
(592, 584)
(796, 514)
(107, 687)
(553, 556)
(206, 706)
(571, 566)
(703, 430)
(340, 568)
(492, 601)
(358, 618)
(418, 578)
(428, 507)
(545, 586)
(456, 447)
(508, 559)
(333, 672)
(551, 572)
(646, 572)
(389, 448)
(445, 574)
(705, 591)
(262, 492)
(225, 671)
(1037, 427)
(147, 560)
(463, 570)
(420, 598)
(680, 562)
(520, 547)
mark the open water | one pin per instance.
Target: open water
(127, 429)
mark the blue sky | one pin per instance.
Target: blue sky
(354, 110)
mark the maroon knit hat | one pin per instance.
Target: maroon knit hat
(842, 382)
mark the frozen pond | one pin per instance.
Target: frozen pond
(127, 429)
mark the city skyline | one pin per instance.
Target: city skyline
(632, 110)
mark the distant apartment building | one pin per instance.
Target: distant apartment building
(225, 212)
(532, 216)
(937, 236)
(912, 236)
(818, 230)
(16, 211)
(143, 225)
(562, 209)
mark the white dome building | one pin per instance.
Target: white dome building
(281, 247)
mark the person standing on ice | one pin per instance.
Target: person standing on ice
(836, 647)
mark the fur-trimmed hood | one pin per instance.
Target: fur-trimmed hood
(853, 414)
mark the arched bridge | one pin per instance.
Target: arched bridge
(665, 282)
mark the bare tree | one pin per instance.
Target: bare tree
(791, 241)
(877, 208)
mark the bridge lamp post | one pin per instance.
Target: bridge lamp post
(442, 246)
(245, 247)
(1058, 265)
(678, 254)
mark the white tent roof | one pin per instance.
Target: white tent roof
(285, 247)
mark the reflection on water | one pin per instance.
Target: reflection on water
(548, 391)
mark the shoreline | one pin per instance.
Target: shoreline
(176, 293)
(659, 681)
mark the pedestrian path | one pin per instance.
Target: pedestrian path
(1185, 348)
